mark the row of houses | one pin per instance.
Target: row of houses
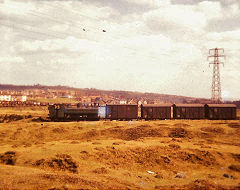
(81, 97)
(40, 93)
(9, 98)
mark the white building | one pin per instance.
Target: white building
(13, 98)
(5, 97)
(24, 98)
(123, 102)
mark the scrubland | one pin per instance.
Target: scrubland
(166, 154)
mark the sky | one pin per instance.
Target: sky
(156, 46)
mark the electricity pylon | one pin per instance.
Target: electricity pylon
(216, 82)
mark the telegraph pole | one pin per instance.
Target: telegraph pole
(216, 53)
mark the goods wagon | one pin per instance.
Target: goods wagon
(121, 111)
(221, 111)
(188, 111)
(60, 112)
(156, 111)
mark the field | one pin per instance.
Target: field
(167, 154)
(54, 100)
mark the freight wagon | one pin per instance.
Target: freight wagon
(220, 111)
(188, 111)
(156, 111)
(121, 111)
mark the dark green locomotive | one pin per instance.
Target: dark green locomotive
(61, 113)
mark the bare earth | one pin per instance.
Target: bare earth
(168, 154)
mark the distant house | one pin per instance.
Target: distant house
(24, 98)
(132, 101)
(123, 101)
(5, 97)
(13, 98)
(142, 102)
(19, 98)
(112, 102)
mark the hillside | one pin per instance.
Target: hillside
(113, 93)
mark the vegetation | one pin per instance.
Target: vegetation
(54, 100)
(192, 154)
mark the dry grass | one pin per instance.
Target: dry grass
(34, 111)
(54, 100)
(117, 154)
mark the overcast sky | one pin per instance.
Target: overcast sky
(149, 45)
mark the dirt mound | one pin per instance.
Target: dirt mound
(135, 132)
(154, 156)
(135, 157)
(174, 146)
(58, 130)
(178, 133)
(40, 119)
(91, 134)
(62, 162)
(234, 125)
(8, 158)
(203, 135)
(198, 157)
(181, 125)
(101, 170)
(10, 118)
(235, 168)
(213, 130)
(200, 184)
(160, 124)
(236, 156)
(73, 182)
(123, 133)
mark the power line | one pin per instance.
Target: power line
(26, 30)
(70, 22)
(82, 15)
(58, 21)
(74, 24)
(55, 20)
(54, 36)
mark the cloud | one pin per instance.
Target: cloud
(16, 8)
(155, 46)
(210, 9)
(194, 2)
(10, 59)
(222, 18)
(225, 36)
(175, 18)
(70, 44)
(149, 3)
